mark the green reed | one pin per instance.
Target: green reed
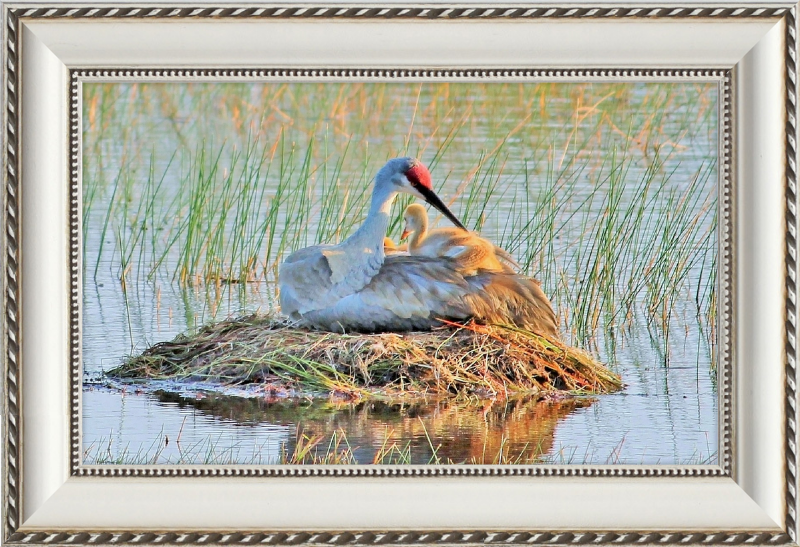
(606, 193)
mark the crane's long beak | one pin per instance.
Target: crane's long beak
(431, 197)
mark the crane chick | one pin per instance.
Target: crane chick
(389, 247)
(470, 251)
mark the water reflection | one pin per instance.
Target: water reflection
(431, 431)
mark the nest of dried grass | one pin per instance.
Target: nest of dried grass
(457, 359)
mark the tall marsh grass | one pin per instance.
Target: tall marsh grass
(605, 192)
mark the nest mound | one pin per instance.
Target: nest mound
(477, 360)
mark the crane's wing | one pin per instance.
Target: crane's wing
(317, 277)
(415, 292)
(409, 293)
(302, 277)
(512, 299)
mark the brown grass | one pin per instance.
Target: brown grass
(472, 360)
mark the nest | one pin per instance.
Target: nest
(472, 360)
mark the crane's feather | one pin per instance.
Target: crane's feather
(317, 277)
(414, 293)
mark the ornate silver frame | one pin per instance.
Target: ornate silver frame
(15, 530)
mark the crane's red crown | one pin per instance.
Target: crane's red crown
(418, 174)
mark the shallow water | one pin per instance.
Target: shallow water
(265, 431)
(666, 414)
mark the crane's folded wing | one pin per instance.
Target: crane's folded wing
(303, 276)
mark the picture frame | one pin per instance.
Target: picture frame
(50, 497)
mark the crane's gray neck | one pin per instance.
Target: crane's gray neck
(364, 249)
(369, 236)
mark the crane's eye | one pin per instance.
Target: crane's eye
(414, 183)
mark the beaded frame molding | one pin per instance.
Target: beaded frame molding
(11, 330)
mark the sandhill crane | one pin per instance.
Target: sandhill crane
(354, 286)
(470, 251)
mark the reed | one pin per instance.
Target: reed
(604, 192)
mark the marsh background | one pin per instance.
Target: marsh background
(607, 193)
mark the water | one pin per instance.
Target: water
(666, 414)
(257, 431)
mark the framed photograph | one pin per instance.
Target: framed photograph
(408, 273)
